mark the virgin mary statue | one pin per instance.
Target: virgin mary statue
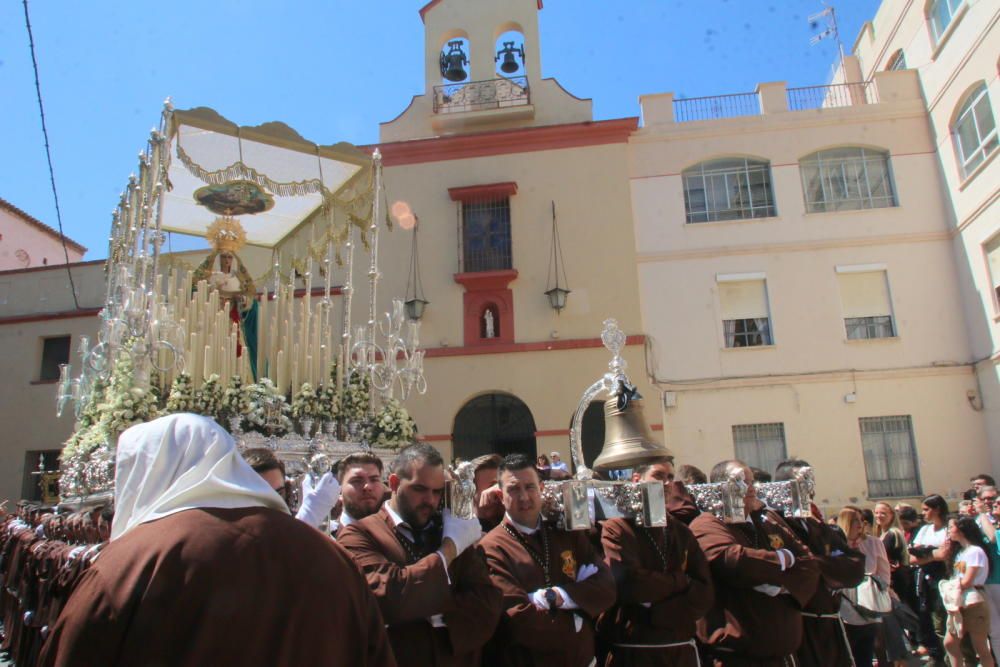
(224, 271)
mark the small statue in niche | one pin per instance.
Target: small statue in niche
(488, 320)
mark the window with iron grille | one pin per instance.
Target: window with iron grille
(55, 351)
(890, 456)
(862, 328)
(486, 235)
(730, 189)
(844, 179)
(749, 332)
(975, 130)
(760, 445)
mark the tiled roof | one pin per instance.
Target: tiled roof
(41, 225)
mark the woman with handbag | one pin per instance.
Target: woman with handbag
(864, 605)
(970, 567)
(894, 646)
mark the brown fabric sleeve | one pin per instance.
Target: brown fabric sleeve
(475, 605)
(533, 629)
(698, 597)
(403, 593)
(92, 628)
(636, 584)
(732, 563)
(596, 593)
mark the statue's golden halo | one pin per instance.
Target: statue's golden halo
(226, 234)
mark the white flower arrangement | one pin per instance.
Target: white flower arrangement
(208, 399)
(307, 404)
(235, 400)
(89, 454)
(268, 411)
(393, 427)
(329, 399)
(181, 397)
(356, 398)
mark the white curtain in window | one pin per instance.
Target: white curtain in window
(890, 456)
(975, 129)
(992, 250)
(760, 445)
(864, 294)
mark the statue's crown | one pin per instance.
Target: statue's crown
(226, 234)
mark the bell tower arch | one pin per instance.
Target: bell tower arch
(491, 79)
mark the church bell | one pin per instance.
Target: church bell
(628, 441)
(453, 61)
(509, 65)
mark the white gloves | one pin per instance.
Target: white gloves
(786, 557)
(318, 500)
(538, 599)
(586, 572)
(463, 532)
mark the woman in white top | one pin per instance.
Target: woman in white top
(970, 569)
(862, 631)
(931, 551)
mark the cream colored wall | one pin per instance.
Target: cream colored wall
(28, 408)
(822, 429)
(16, 234)
(948, 70)
(593, 209)
(802, 379)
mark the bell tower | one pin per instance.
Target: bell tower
(482, 71)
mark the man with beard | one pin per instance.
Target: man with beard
(361, 488)
(763, 576)
(824, 643)
(553, 582)
(664, 586)
(433, 590)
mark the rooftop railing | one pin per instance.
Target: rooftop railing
(773, 99)
(835, 95)
(717, 106)
(480, 95)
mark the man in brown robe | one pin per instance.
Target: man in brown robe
(206, 567)
(434, 591)
(825, 641)
(553, 582)
(763, 576)
(664, 586)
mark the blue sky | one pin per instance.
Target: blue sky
(334, 69)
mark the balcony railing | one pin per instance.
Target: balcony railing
(718, 106)
(480, 95)
(836, 95)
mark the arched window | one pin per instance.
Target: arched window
(494, 424)
(844, 179)
(974, 129)
(728, 189)
(940, 13)
(897, 61)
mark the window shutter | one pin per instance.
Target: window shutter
(864, 294)
(743, 300)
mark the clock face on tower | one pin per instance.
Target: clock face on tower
(23, 258)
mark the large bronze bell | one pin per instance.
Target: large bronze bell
(452, 62)
(628, 441)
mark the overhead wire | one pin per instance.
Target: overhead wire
(48, 153)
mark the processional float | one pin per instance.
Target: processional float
(284, 358)
(272, 357)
